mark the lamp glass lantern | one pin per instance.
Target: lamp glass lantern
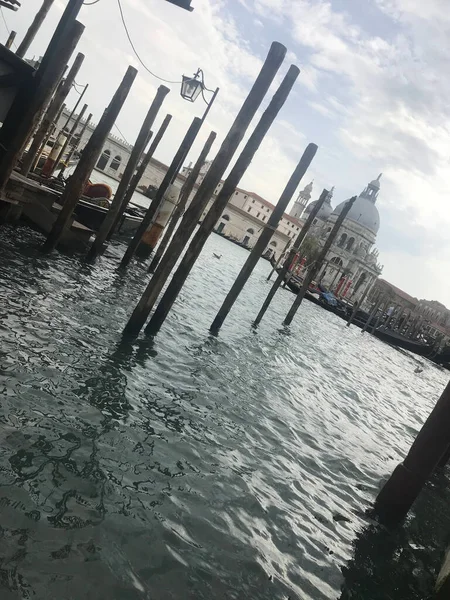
(191, 88)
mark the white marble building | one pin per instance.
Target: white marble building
(351, 266)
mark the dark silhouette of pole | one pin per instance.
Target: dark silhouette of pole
(31, 100)
(48, 135)
(290, 257)
(91, 152)
(69, 138)
(277, 264)
(314, 269)
(184, 197)
(357, 305)
(135, 156)
(60, 95)
(212, 177)
(140, 171)
(75, 146)
(10, 40)
(34, 28)
(265, 236)
(407, 480)
(171, 173)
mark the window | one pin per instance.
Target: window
(268, 209)
(253, 201)
(236, 193)
(250, 231)
(245, 196)
(103, 160)
(115, 163)
(315, 221)
(350, 243)
(298, 228)
(342, 240)
(336, 261)
(274, 244)
(264, 218)
(226, 217)
(258, 215)
(249, 209)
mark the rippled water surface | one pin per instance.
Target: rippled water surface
(198, 467)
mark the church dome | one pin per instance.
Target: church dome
(364, 210)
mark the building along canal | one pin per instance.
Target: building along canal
(238, 466)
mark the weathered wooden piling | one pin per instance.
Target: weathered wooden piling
(91, 152)
(357, 305)
(10, 40)
(407, 480)
(314, 269)
(68, 140)
(382, 308)
(171, 173)
(265, 236)
(280, 258)
(135, 156)
(75, 146)
(213, 176)
(290, 257)
(32, 99)
(373, 312)
(34, 28)
(48, 135)
(183, 199)
(140, 171)
(50, 116)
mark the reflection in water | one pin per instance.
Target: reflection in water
(237, 466)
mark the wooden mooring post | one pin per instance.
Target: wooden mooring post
(184, 197)
(407, 480)
(135, 156)
(91, 152)
(290, 257)
(357, 305)
(171, 173)
(31, 101)
(140, 171)
(75, 146)
(278, 262)
(214, 174)
(29, 160)
(34, 28)
(314, 269)
(10, 40)
(69, 137)
(266, 234)
(373, 312)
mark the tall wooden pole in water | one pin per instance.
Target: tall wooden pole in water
(290, 257)
(265, 236)
(404, 485)
(213, 176)
(357, 305)
(10, 40)
(316, 267)
(91, 152)
(60, 95)
(184, 197)
(68, 139)
(281, 257)
(34, 28)
(157, 201)
(75, 146)
(31, 101)
(136, 154)
(141, 170)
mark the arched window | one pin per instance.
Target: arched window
(342, 240)
(336, 261)
(329, 229)
(250, 231)
(361, 280)
(115, 163)
(103, 160)
(274, 244)
(226, 217)
(350, 243)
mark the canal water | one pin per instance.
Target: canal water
(198, 467)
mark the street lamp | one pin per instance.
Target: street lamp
(192, 87)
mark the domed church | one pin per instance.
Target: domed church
(351, 266)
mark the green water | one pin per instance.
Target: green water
(197, 467)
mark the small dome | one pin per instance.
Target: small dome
(363, 212)
(376, 182)
(308, 188)
(323, 213)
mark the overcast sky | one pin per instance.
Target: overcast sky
(373, 94)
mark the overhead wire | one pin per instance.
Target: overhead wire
(135, 51)
(6, 25)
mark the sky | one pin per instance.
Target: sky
(373, 94)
